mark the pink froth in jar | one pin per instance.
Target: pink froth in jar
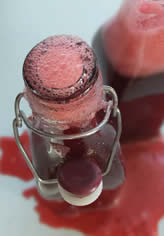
(134, 38)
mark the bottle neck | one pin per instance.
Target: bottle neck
(50, 116)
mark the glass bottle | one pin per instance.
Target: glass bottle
(73, 141)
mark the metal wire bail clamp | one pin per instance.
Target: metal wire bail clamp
(110, 111)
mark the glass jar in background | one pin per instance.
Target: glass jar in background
(130, 51)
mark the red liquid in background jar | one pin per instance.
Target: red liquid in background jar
(130, 49)
(65, 91)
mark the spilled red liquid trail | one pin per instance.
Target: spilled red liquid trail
(133, 209)
(12, 162)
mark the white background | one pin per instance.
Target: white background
(23, 23)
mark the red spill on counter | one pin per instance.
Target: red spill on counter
(12, 162)
(133, 209)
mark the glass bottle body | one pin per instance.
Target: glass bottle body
(47, 154)
(69, 106)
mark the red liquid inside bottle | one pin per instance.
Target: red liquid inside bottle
(65, 91)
